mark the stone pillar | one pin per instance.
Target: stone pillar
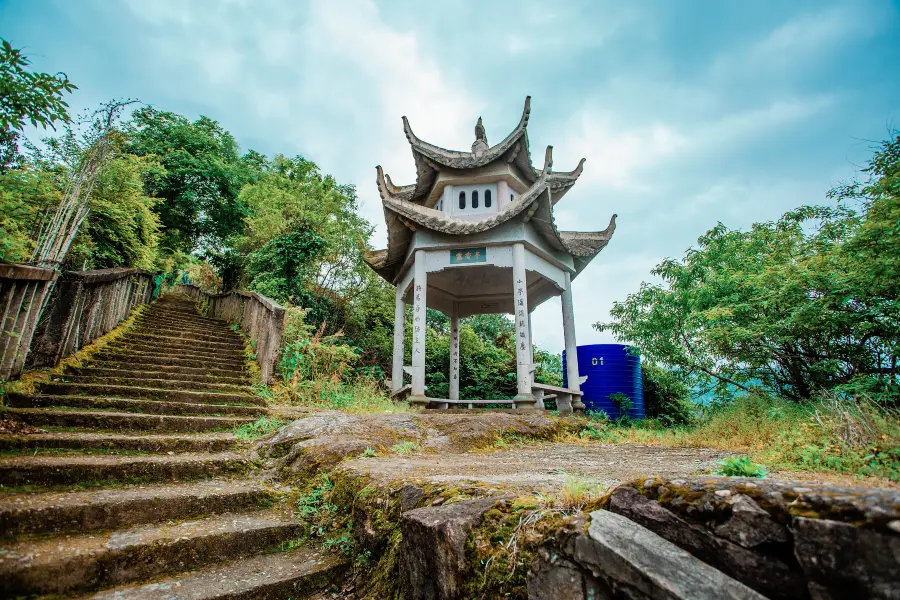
(524, 398)
(399, 322)
(454, 354)
(420, 288)
(568, 315)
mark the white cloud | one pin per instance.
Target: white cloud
(614, 154)
(802, 40)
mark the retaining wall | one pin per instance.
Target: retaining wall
(261, 318)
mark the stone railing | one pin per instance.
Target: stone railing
(78, 307)
(261, 318)
(84, 306)
(23, 291)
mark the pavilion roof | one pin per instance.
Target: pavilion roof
(514, 149)
(403, 214)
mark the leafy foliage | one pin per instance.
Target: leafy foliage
(29, 97)
(665, 396)
(281, 269)
(122, 228)
(204, 174)
(25, 194)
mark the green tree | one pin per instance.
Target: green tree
(25, 194)
(804, 303)
(26, 97)
(297, 213)
(122, 229)
(204, 173)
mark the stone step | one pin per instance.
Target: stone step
(186, 349)
(131, 405)
(175, 359)
(69, 469)
(81, 440)
(112, 421)
(181, 318)
(200, 334)
(177, 328)
(146, 339)
(217, 328)
(219, 359)
(208, 371)
(80, 563)
(60, 388)
(165, 382)
(293, 575)
(112, 508)
(159, 375)
(185, 345)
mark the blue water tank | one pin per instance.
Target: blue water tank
(610, 368)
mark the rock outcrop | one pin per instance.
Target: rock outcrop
(321, 440)
(783, 539)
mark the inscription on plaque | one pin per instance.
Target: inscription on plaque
(462, 256)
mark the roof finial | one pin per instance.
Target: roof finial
(481, 143)
(479, 132)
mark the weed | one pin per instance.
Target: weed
(593, 431)
(262, 427)
(309, 505)
(577, 491)
(596, 415)
(740, 466)
(368, 453)
(404, 448)
(263, 391)
(622, 402)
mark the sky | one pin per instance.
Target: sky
(688, 113)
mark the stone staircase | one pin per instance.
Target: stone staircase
(136, 488)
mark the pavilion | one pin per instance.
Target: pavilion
(475, 234)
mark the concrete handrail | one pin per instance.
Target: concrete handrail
(261, 318)
(84, 306)
(46, 317)
(23, 292)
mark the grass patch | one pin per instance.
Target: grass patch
(259, 428)
(576, 492)
(355, 396)
(404, 448)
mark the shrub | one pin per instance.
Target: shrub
(622, 402)
(740, 466)
(665, 397)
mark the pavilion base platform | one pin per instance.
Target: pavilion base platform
(568, 401)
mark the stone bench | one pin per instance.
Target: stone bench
(567, 401)
(434, 402)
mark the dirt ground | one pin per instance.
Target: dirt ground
(543, 467)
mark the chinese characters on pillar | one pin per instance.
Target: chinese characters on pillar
(418, 322)
(454, 351)
(521, 317)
